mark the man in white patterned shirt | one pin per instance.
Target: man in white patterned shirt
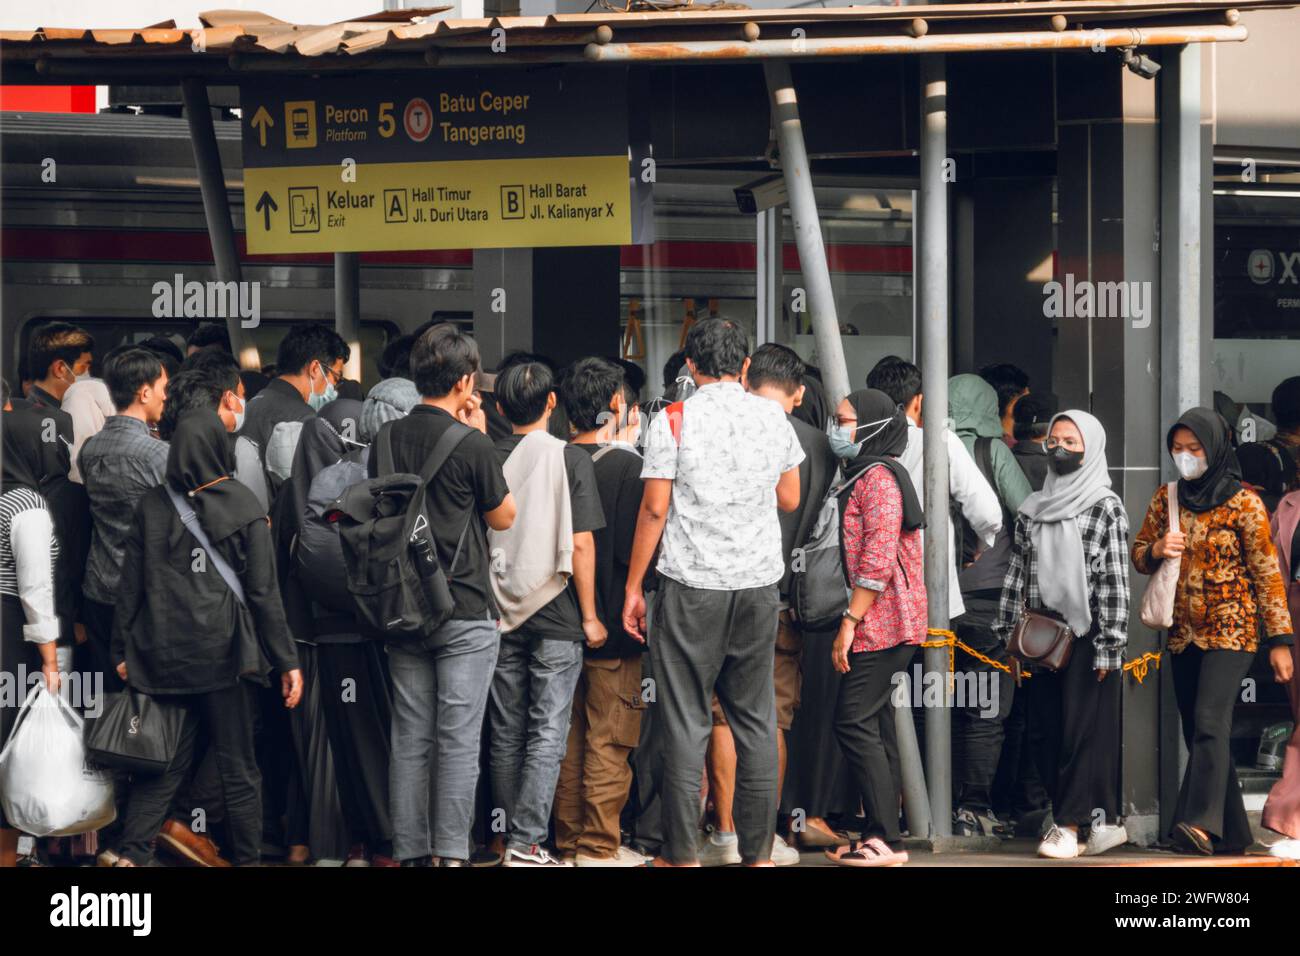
(717, 468)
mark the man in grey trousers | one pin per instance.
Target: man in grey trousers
(717, 468)
(440, 684)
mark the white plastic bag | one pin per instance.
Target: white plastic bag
(46, 786)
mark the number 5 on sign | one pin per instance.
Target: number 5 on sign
(387, 124)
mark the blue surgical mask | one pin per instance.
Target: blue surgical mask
(319, 401)
(841, 437)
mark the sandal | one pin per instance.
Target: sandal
(874, 852)
(834, 853)
(1187, 840)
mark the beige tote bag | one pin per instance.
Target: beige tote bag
(1158, 600)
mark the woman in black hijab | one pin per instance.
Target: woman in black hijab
(886, 614)
(1229, 589)
(338, 799)
(182, 633)
(29, 549)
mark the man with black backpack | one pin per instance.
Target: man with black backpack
(441, 680)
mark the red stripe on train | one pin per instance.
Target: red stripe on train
(103, 245)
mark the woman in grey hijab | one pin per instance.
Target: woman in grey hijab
(1069, 554)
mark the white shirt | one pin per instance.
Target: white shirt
(722, 531)
(968, 487)
(27, 553)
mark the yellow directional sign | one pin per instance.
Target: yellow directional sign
(455, 162)
(502, 203)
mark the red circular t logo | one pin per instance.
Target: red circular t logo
(418, 119)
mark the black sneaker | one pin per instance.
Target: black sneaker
(418, 861)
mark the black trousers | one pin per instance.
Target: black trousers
(1017, 787)
(95, 656)
(865, 730)
(1079, 763)
(227, 717)
(357, 720)
(977, 730)
(1206, 685)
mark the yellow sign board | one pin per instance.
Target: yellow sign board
(444, 160)
(502, 203)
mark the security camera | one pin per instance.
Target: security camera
(761, 195)
(1143, 66)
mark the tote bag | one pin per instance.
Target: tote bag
(1157, 609)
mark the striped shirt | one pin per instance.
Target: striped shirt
(28, 551)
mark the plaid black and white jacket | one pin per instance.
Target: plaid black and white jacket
(1104, 529)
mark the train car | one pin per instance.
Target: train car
(99, 208)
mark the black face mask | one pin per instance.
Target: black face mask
(1063, 461)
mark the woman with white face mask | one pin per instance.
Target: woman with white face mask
(1229, 590)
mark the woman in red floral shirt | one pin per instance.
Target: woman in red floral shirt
(886, 616)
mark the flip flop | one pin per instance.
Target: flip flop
(1187, 840)
(834, 853)
(874, 852)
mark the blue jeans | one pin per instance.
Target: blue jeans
(440, 688)
(530, 704)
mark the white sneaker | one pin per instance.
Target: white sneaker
(1105, 837)
(1285, 849)
(783, 854)
(1059, 844)
(533, 856)
(625, 856)
(719, 849)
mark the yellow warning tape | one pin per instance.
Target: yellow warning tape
(1138, 667)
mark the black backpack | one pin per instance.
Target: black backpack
(318, 551)
(965, 541)
(819, 590)
(398, 587)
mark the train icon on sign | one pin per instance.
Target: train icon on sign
(417, 119)
(300, 124)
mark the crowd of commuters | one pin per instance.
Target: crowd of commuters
(614, 669)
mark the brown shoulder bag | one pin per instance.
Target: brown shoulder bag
(1039, 639)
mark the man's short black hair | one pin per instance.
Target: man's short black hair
(779, 365)
(440, 358)
(633, 378)
(522, 390)
(127, 371)
(395, 362)
(717, 347)
(672, 367)
(1033, 414)
(210, 334)
(220, 367)
(1286, 403)
(1007, 380)
(168, 352)
(520, 357)
(54, 341)
(587, 388)
(191, 388)
(897, 378)
(307, 343)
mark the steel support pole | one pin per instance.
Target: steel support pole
(1181, 241)
(347, 308)
(216, 208)
(932, 293)
(767, 270)
(807, 229)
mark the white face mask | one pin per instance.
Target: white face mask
(1190, 466)
(239, 415)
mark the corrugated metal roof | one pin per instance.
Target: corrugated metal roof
(226, 32)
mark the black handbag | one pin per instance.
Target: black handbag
(135, 732)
